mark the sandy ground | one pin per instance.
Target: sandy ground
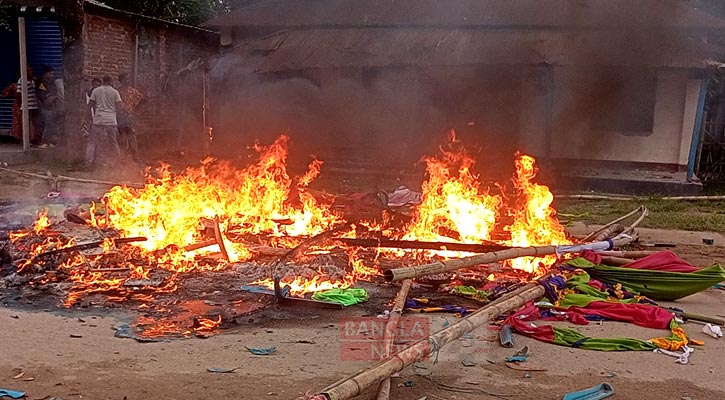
(98, 365)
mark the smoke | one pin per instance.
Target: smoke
(599, 72)
(387, 118)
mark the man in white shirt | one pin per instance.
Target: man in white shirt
(104, 102)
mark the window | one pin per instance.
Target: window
(626, 101)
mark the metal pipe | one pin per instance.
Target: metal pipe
(697, 130)
(24, 83)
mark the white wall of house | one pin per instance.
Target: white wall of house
(576, 100)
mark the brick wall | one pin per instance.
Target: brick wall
(110, 49)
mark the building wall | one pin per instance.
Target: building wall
(573, 103)
(110, 49)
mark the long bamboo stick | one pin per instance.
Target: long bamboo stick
(354, 385)
(389, 335)
(609, 232)
(615, 261)
(592, 235)
(632, 198)
(398, 274)
(634, 254)
(59, 178)
(413, 244)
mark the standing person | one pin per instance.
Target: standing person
(36, 134)
(50, 107)
(95, 82)
(126, 125)
(105, 101)
(11, 91)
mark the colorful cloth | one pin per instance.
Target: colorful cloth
(472, 292)
(569, 337)
(660, 261)
(346, 297)
(656, 284)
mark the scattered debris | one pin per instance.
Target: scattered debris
(218, 370)
(262, 351)
(598, 392)
(712, 330)
(13, 394)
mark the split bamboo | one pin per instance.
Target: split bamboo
(354, 385)
(398, 274)
(389, 336)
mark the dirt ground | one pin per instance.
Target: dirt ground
(93, 364)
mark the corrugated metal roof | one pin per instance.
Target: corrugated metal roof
(470, 13)
(329, 48)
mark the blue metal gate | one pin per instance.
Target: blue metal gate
(44, 47)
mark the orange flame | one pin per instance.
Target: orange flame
(535, 222)
(453, 208)
(42, 222)
(169, 208)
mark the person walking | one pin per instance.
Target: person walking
(104, 102)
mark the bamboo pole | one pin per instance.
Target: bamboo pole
(389, 335)
(616, 221)
(354, 385)
(609, 232)
(628, 254)
(59, 178)
(632, 198)
(615, 261)
(414, 244)
(398, 274)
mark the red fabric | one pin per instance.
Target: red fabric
(592, 256)
(662, 261)
(530, 312)
(645, 315)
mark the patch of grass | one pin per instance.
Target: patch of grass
(665, 214)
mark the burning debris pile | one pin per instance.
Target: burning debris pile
(220, 227)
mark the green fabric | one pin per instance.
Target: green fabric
(583, 300)
(659, 285)
(586, 294)
(472, 292)
(346, 297)
(570, 337)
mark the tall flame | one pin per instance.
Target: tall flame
(535, 220)
(169, 208)
(453, 208)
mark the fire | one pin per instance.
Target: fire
(177, 211)
(205, 325)
(170, 207)
(453, 208)
(42, 222)
(535, 220)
